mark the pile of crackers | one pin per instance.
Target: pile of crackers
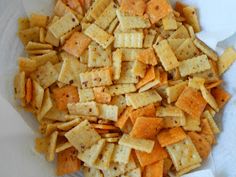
(121, 88)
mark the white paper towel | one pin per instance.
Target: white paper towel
(218, 21)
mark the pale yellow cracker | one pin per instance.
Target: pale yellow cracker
(86, 95)
(226, 60)
(192, 123)
(38, 93)
(27, 65)
(104, 39)
(64, 25)
(132, 22)
(88, 136)
(30, 34)
(98, 57)
(211, 121)
(180, 33)
(99, 77)
(187, 169)
(149, 85)
(129, 40)
(174, 91)
(108, 112)
(103, 162)
(52, 146)
(196, 82)
(205, 49)
(175, 43)
(139, 69)
(89, 156)
(137, 143)
(19, 85)
(45, 75)
(169, 22)
(116, 60)
(112, 26)
(171, 122)
(86, 109)
(126, 75)
(63, 147)
(107, 16)
(166, 55)
(194, 65)
(129, 54)
(91, 172)
(35, 45)
(138, 100)
(183, 154)
(46, 105)
(43, 59)
(209, 98)
(71, 68)
(186, 50)
(68, 125)
(61, 8)
(121, 154)
(191, 17)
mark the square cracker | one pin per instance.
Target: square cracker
(169, 22)
(154, 170)
(158, 153)
(126, 75)
(88, 136)
(77, 44)
(95, 78)
(226, 60)
(173, 92)
(221, 96)
(194, 65)
(104, 39)
(146, 111)
(98, 57)
(104, 160)
(84, 109)
(138, 100)
(133, 7)
(186, 50)
(70, 70)
(65, 95)
(139, 130)
(202, 145)
(120, 89)
(147, 56)
(191, 101)
(157, 9)
(183, 154)
(45, 75)
(171, 136)
(38, 20)
(192, 123)
(171, 122)
(180, 33)
(166, 55)
(137, 143)
(121, 154)
(67, 162)
(30, 34)
(101, 95)
(108, 112)
(86, 95)
(191, 17)
(89, 156)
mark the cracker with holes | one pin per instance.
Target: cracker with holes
(154, 125)
(186, 50)
(158, 153)
(88, 136)
(64, 25)
(77, 44)
(104, 39)
(98, 57)
(121, 154)
(192, 123)
(194, 65)
(67, 162)
(171, 122)
(98, 77)
(191, 101)
(84, 109)
(137, 143)
(183, 154)
(132, 22)
(45, 75)
(171, 136)
(89, 156)
(157, 9)
(221, 96)
(107, 16)
(133, 7)
(191, 17)
(166, 55)
(65, 95)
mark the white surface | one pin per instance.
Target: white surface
(16, 151)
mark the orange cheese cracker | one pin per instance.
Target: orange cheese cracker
(154, 170)
(133, 7)
(221, 96)
(171, 136)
